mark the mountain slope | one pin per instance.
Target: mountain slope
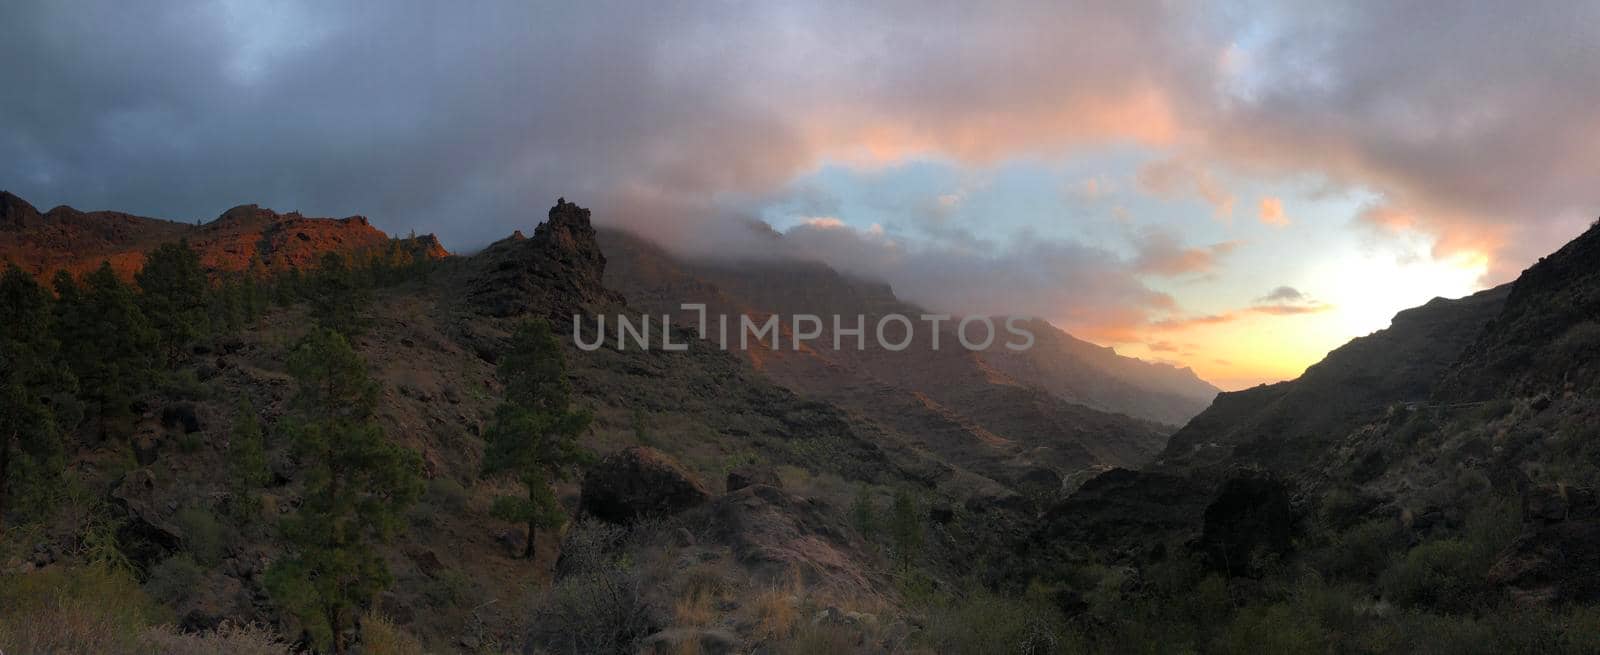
(77, 242)
(955, 403)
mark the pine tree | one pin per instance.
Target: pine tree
(173, 296)
(339, 296)
(247, 462)
(358, 483)
(105, 341)
(30, 447)
(534, 433)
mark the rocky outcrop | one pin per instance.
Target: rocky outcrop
(1250, 521)
(776, 533)
(77, 242)
(556, 274)
(639, 482)
(1556, 559)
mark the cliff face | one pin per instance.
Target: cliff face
(77, 242)
(558, 273)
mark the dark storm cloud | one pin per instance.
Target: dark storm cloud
(471, 122)
(1473, 124)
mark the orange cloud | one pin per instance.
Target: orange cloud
(1159, 254)
(1179, 177)
(1272, 212)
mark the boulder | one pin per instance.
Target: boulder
(639, 482)
(1252, 515)
(1552, 563)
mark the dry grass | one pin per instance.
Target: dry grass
(78, 610)
(380, 636)
(697, 596)
(777, 609)
(694, 610)
(234, 640)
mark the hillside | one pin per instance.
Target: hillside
(965, 406)
(1441, 472)
(1431, 480)
(66, 239)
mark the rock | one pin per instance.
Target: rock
(1250, 515)
(773, 532)
(1552, 563)
(427, 562)
(557, 273)
(639, 482)
(180, 415)
(744, 476)
(679, 640)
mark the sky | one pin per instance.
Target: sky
(1237, 187)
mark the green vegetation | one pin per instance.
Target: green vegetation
(174, 296)
(534, 434)
(31, 457)
(358, 485)
(338, 296)
(106, 342)
(247, 463)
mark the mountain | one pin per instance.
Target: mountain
(1098, 377)
(1442, 470)
(77, 242)
(1005, 416)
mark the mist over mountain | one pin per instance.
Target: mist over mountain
(722, 499)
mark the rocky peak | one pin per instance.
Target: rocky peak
(16, 213)
(557, 273)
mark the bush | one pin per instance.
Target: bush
(597, 611)
(204, 536)
(1362, 552)
(983, 623)
(380, 636)
(1276, 628)
(597, 604)
(1439, 573)
(172, 580)
(228, 638)
(74, 610)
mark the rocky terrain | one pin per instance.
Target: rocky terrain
(1430, 484)
(66, 239)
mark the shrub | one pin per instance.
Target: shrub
(172, 580)
(596, 605)
(204, 536)
(1435, 574)
(227, 638)
(1276, 628)
(380, 636)
(88, 609)
(983, 622)
(595, 611)
(1364, 551)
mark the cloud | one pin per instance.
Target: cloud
(1174, 178)
(666, 118)
(1477, 132)
(1272, 212)
(1160, 253)
(679, 119)
(1282, 294)
(1282, 301)
(1088, 289)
